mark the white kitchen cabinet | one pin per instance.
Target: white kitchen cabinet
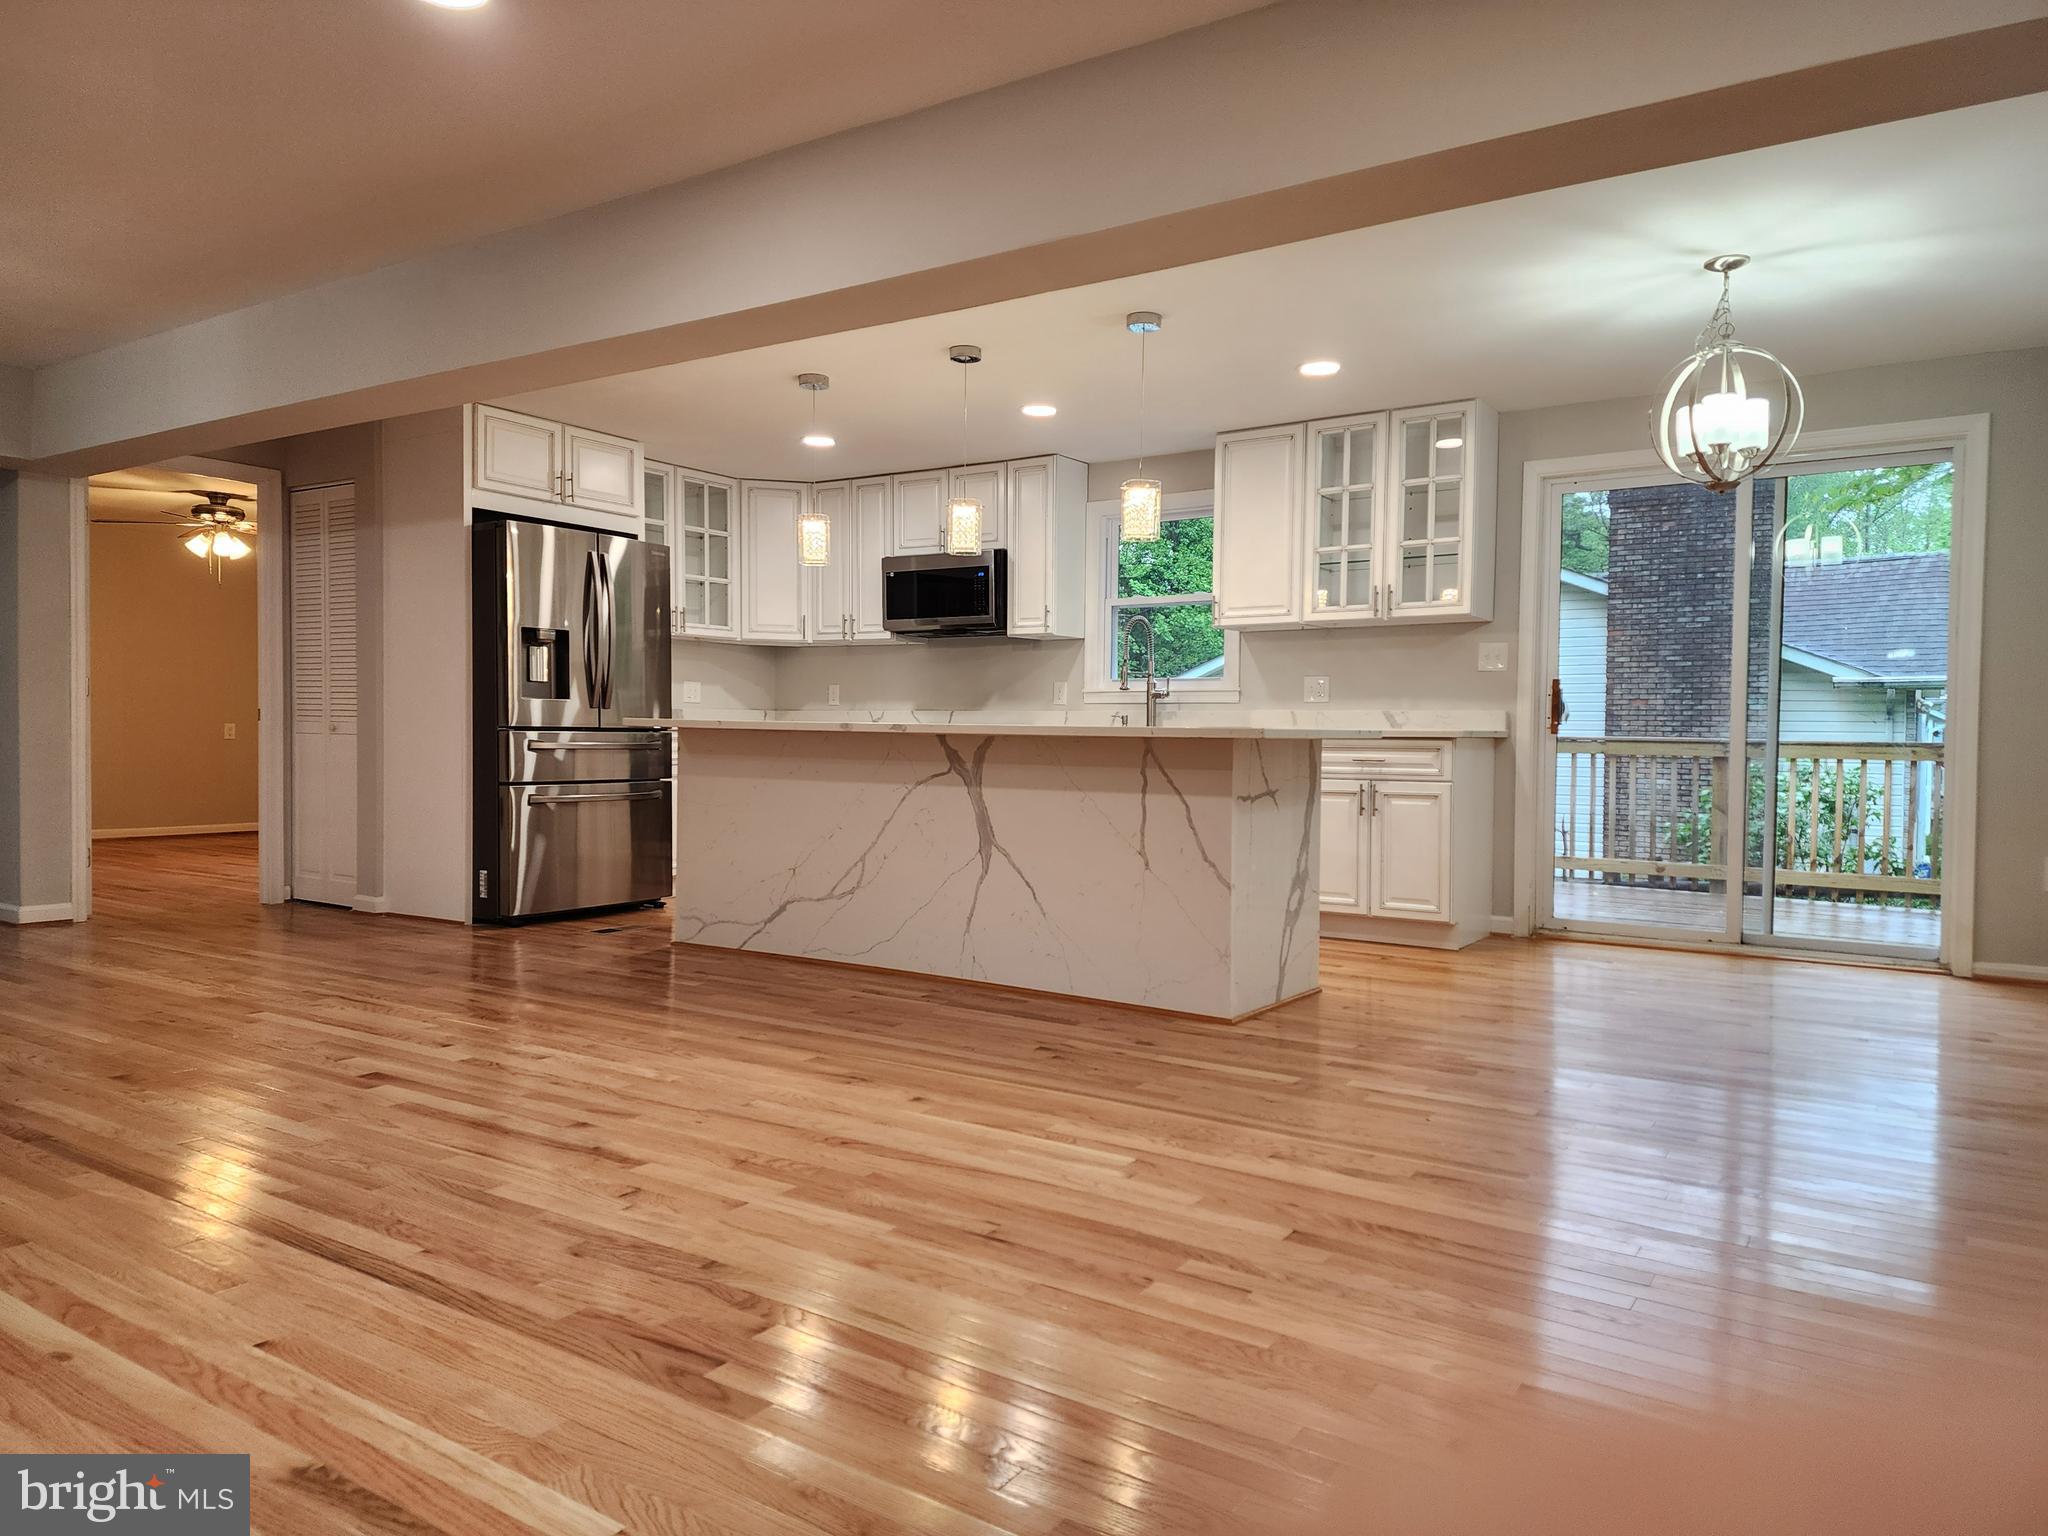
(1407, 841)
(869, 542)
(1410, 835)
(773, 609)
(1345, 475)
(1258, 528)
(600, 473)
(1380, 518)
(1342, 880)
(918, 510)
(1440, 514)
(531, 467)
(1048, 533)
(704, 555)
(518, 455)
(989, 485)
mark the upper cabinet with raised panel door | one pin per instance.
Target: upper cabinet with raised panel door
(773, 590)
(1384, 517)
(918, 511)
(523, 464)
(1048, 544)
(844, 596)
(1258, 528)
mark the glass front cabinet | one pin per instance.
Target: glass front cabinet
(697, 525)
(1399, 515)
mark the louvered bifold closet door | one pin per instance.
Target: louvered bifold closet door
(325, 692)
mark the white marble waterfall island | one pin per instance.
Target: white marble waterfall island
(1172, 868)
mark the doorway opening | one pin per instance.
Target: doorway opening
(178, 747)
(1762, 675)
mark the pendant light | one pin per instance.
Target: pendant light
(1140, 498)
(963, 513)
(814, 528)
(1723, 436)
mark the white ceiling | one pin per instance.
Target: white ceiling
(1915, 239)
(145, 495)
(170, 159)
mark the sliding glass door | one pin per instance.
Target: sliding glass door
(1727, 663)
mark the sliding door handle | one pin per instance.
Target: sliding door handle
(1557, 709)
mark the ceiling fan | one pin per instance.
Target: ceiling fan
(215, 528)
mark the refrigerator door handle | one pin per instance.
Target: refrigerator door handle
(610, 615)
(647, 792)
(591, 597)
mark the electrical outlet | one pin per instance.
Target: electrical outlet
(693, 693)
(227, 732)
(831, 693)
(1493, 656)
(1059, 693)
(1315, 690)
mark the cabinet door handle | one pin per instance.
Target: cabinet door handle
(568, 486)
(1372, 800)
(803, 626)
(1361, 800)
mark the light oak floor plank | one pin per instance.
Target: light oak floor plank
(564, 1229)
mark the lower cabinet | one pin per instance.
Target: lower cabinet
(1406, 842)
(1386, 849)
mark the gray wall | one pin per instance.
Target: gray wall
(35, 693)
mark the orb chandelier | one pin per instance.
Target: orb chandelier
(963, 513)
(1729, 409)
(1140, 499)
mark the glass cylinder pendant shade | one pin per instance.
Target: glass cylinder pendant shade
(1140, 512)
(813, 538)
(963, 526)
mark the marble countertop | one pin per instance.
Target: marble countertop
(1269, 725)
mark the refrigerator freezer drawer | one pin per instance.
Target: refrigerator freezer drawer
(568, 846)
(555, 757)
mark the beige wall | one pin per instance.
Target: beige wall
(1438, 665)
(173, 661)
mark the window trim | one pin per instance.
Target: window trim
(1099, 682)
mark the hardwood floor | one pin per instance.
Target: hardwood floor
(565, 1230)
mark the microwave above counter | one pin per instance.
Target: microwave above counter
(946, 595)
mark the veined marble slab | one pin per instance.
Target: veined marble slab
(1274, 724)
(1175, 871)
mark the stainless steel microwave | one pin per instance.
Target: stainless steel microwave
(936, 595)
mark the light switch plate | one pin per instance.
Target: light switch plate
(693, 693)
(227, 732)
(1059, 693)
(1315, 690)
(831, 693)
(1493, 656)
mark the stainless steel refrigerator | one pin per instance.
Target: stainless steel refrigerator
(574, 809)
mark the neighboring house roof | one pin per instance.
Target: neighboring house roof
(1875, 619)
(1886, 615)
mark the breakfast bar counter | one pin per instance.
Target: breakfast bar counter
(1171, 867)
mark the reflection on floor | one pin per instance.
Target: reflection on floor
(562, 1229)
(1893, 927)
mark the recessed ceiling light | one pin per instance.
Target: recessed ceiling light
(1450, 442)
(1321, 368)
(460, 5)
(1041, 409)
(819, 440)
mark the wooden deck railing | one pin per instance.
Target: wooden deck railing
(1856, 820)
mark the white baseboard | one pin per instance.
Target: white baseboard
(100, 834)
(1989, 970)
(371, 903)
(1503, 925)
(48, 912)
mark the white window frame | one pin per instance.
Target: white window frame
(1105, 524)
